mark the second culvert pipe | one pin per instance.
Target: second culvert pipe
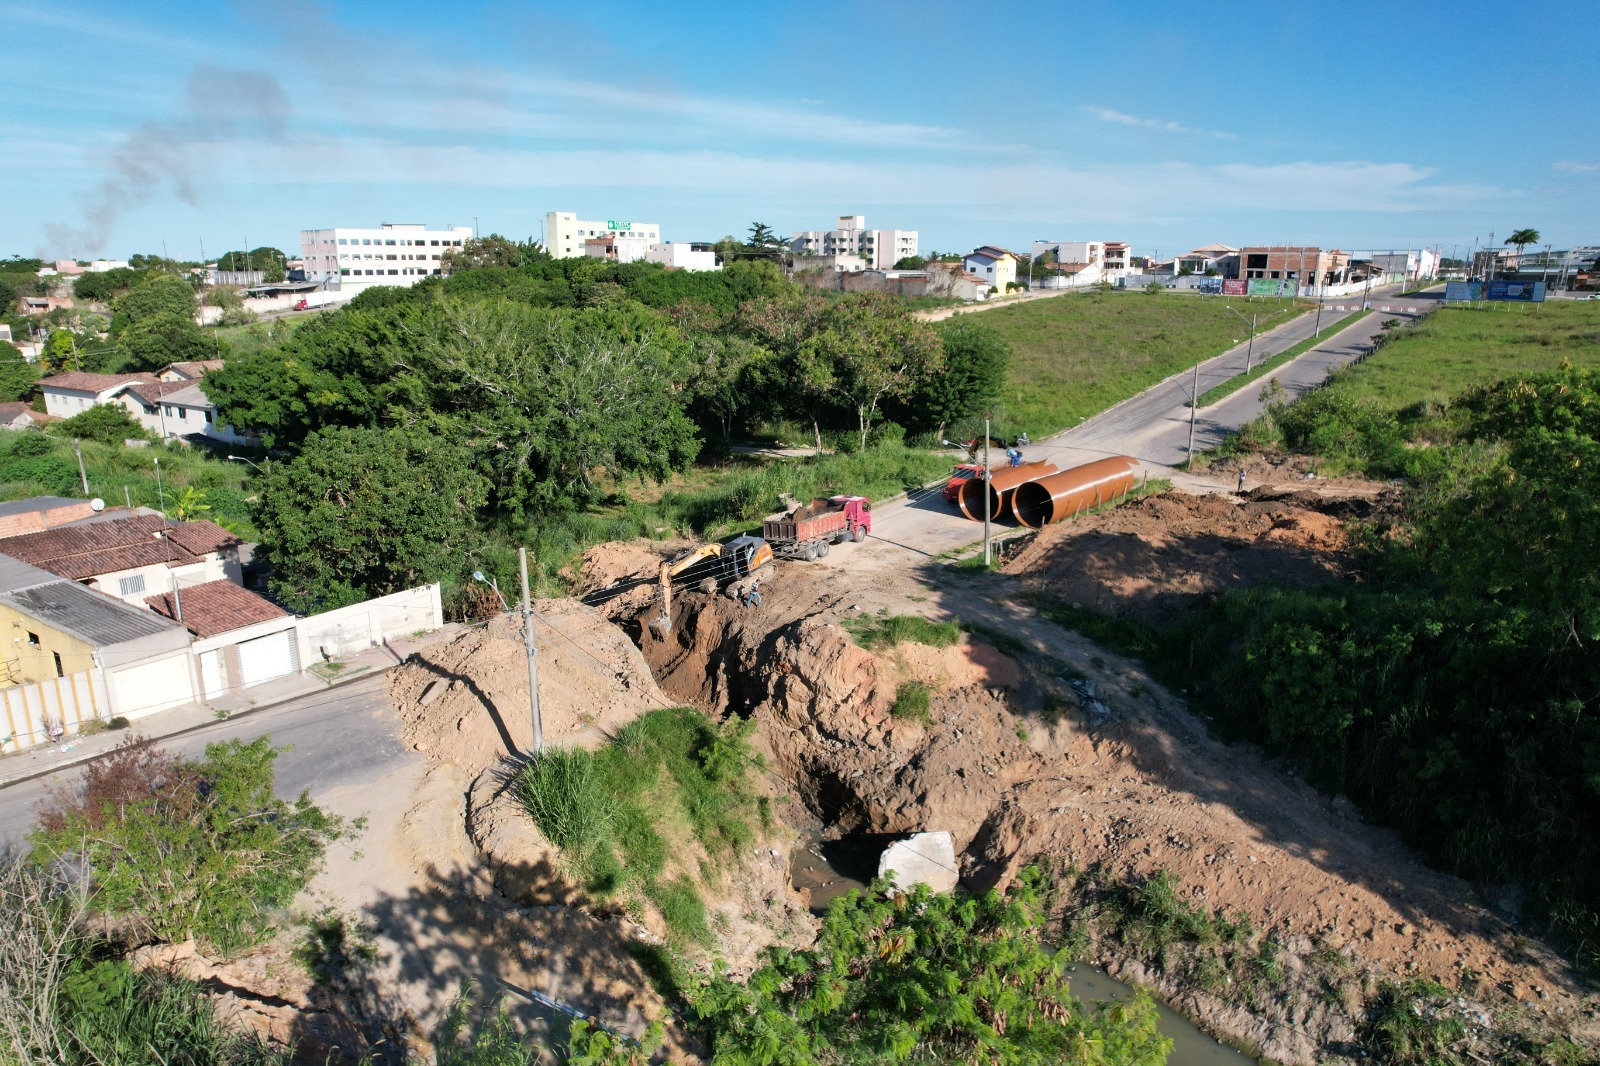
(1041, 503)
(1000, 487)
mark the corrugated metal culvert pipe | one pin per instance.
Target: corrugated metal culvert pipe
(1059, 496)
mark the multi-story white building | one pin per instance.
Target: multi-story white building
(565, 233)
(881, 248)
(393, 254)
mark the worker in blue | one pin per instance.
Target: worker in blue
(1014, 456)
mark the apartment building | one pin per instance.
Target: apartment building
(392, 254)
(881, 248)
(566, 235)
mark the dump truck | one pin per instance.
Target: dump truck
(807, 531)
(733, 567)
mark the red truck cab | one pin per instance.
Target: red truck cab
(960, 476)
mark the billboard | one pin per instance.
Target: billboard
(1523, 291)
(1462, 291)
(1270, 287)
(1233, 288)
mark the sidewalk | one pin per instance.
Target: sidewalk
(44, 759)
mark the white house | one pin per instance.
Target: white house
(681, 255)
(75, 392)
(395, 253)
(618, 249)
(172, 409)
(565, 232)
(241, 639)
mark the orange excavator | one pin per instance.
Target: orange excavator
(734, 567)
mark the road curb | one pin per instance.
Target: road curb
(83, 760)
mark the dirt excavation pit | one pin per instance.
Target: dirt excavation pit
(1152, 559)
(1015, 768)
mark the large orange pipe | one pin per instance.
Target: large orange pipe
(1000, 487)
(1040, 503)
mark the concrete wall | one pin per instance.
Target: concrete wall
(360, 626)
(30, 713)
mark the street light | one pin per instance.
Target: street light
(478, 576)
(1252, 321)
(242, 459)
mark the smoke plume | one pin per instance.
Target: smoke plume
(219, 104)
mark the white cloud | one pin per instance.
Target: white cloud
(1570, 166)
(1119, 118)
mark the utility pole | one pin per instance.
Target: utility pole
(81, 474)
(1194, 405)
(533, 662)
(1248, 352)
(166, 536)
(988, 492)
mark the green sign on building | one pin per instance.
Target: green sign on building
(617, 227)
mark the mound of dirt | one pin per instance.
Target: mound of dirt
(1153, 558)
(619, 579)
(466, 702)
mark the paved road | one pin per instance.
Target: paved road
(1154, 426)
(344, 736)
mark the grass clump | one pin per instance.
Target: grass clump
(627, 818)
(1411, 1024)
(884, 630)
(912, 701)
(1002, 640)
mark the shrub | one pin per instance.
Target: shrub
(107, 423)
(564, 794)
(189, 848)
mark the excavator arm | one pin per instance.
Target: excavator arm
(671, 569)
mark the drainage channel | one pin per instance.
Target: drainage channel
(830, 869)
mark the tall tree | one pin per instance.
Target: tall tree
(365, 512)
(272, 263)
(493, 251)
(158, 294)
(1522, 238)
(17, 375)
(976, 358)
(763, 241)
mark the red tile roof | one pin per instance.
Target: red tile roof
(216, 607)
(83, 381)
(84, 551)
(194, 370)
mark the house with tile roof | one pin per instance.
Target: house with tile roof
(72, 655)
(994, 265)
(76, 391)
(241, 639)
(132, 557)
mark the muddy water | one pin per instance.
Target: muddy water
(830, 869)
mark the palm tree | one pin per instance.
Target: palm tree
(1522, 238)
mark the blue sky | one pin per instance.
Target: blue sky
(1166, 125)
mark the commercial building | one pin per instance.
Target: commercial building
(1412, 264)
(392, 254)
(881, 248)
(565, 233)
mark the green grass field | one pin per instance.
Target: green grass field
(1075, 356)
(1264, 371)
(1459, 347)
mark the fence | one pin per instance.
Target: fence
(42, 712)
(369, 624)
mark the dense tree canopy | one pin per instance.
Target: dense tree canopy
(976, 358)
(157, 340)
(17, 375)
(104, 285)
(493, 251)
(158, 294)
(365, 512)
(270, 261)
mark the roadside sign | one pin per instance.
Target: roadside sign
(1270, 287)
(1233, 288)
(1462, 291)
(1521, 291)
